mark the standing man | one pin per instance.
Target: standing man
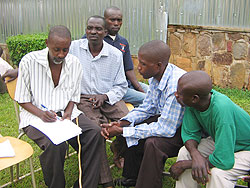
(136, 90)
(103, 82)
(152, 131)
(221, 158)
(52, 77)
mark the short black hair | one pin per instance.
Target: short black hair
(59, 30)
(99, 17)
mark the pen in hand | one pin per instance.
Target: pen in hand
(51, 112)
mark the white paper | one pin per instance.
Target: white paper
(58, 131)
(6, 150)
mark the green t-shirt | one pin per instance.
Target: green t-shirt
(225, 122)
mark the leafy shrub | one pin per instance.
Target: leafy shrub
(20, 45)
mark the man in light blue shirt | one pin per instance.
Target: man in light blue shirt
(152, 131)
(103, 82)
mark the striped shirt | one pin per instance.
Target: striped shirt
(159, 99)
(35, 84)
(103, 74)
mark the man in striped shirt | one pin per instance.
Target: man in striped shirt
(52, 77)
(152, 131)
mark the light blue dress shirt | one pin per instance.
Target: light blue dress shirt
(159, 99)
(103, 74)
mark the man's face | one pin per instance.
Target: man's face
(146, 67)
(113, 21)
(95, 31)
(58, 48)
(182, 97)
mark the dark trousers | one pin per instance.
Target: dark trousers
(145, 161)
(103, 115)
(53, 156)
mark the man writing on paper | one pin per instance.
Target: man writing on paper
(52, 77)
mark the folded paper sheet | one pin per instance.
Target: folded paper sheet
(58, 131)
(6, 150)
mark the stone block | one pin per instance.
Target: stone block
(189, 44)
(218, 41)
(239, 50)
(201, 65)
(220, 75)
(184, 63)
(248, 54)
(208, 67)
(175, 45)
(204, 45)
(237, 75)
(234, 36)
(229, 46)
(222, 59)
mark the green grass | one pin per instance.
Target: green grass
(9, 127)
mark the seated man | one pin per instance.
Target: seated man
(136, 90)
(4, 66)
(52, 77)
(156, 135)
(219, 159)
(103, 82)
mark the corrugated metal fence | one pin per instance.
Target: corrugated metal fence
(144, 20)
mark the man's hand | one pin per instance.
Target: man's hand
(98, 100)
(66, 115)
(111, 130)
(12, 73)
(179, 167)
(48, 116)
(200, 169)
(68, 111)
(200, 165)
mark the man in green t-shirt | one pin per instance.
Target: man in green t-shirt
(221, 158)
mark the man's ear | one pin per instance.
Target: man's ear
(106, 31)
(159, 64)
(195, 99)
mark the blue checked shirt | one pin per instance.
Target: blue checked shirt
(160, 99)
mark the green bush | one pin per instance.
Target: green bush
(20, 45)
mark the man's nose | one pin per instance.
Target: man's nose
(138, 67)
(61, 54)
(93, 31)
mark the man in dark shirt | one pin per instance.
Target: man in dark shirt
(136, 90)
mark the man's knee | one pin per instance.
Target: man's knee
(150, 144)
(183, 154)
(217, 173)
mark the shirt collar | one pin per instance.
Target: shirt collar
(117, 37)
(43, 59)
(85, 46)
(165, 77)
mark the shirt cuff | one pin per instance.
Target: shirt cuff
(128, 131)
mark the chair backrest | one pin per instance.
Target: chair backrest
(11, 87)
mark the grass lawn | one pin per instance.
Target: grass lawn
(9, 127)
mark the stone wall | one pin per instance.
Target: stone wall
(223, 53)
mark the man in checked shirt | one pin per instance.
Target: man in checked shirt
(152, 131)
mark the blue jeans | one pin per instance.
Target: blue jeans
(135, 97)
